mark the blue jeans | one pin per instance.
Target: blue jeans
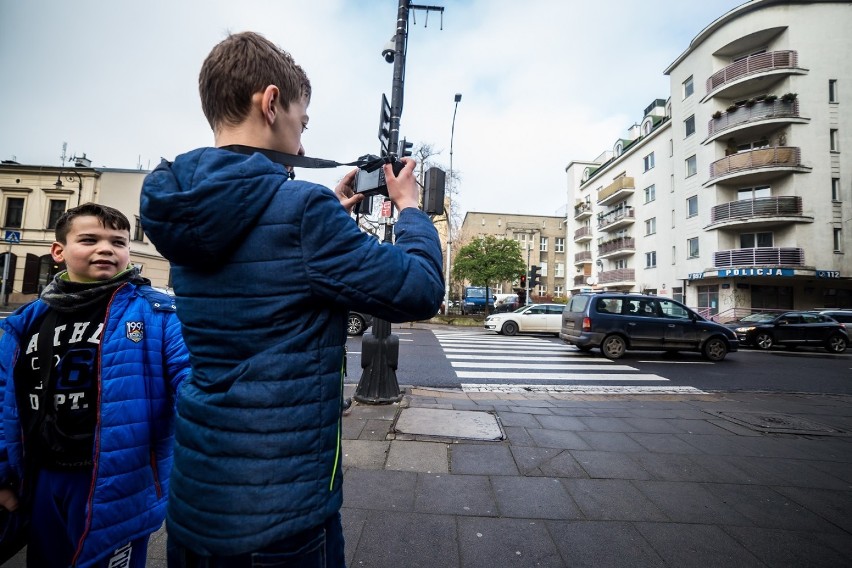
(318, 547)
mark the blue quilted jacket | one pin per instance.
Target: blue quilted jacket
(264, 271)
(134, 432)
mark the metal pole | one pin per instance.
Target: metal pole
(6, 273)
(450, 212)
(527, 302)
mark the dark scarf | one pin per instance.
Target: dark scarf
(64, 295)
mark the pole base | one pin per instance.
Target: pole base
(379, 359)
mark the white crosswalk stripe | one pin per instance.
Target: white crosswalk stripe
(491, 363)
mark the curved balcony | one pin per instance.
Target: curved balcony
(582, 211)
(618, 277)
(583, 234)
(622, 246)
(757, 120)
(617, 219)
(583, 257)
(756, 166)
(620, 189)
(758, 213)
(735, 80)
(580, 279)
(761, 256)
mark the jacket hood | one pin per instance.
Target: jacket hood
(199, 208)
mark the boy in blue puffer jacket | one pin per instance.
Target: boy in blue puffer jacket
(265, 269)
(88, 376)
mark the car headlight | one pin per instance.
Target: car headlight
(745, 329)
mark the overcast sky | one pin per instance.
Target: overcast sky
(544, 82)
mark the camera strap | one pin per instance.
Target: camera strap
(368, 162)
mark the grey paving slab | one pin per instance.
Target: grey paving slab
(463, 424)
(506, 542)
(788, 549)
(715, 444)
(482, 459)
(610, 442)
(465, 495)
(585, 544)
(653, 425)
(518, 436)
(430, 457)
(703, 546)
(797, 473)
(663, 443)
(552, 422)
(533, 498)
(704, 426)
(364, 454)
(375, 429)
(672, 467)
(830, 505)
(609, 465)
(562, 439)
(685, 502)
(724, 469)
(379, 489)
(509, 418)
(572, 411)
(563, 465)
(530, 409)
(531, 459)
(353, 521)
(402, 538)
(612, 500)
(606, 424)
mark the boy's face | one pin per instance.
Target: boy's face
(92, 252)
(294, 121)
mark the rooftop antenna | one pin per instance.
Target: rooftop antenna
(64, 147)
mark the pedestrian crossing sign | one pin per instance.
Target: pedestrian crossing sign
(13, 237)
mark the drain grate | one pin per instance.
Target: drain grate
(778, 423)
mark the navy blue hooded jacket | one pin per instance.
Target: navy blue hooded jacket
(264, 271)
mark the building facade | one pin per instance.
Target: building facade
(32, 198)
(736, 192)
(542, 242)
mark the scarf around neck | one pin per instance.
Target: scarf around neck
(63, 295)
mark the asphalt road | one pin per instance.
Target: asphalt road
(441, 356)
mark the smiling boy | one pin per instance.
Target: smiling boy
(86, 443)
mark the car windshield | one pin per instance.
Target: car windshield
(759, 317)
(475, 293)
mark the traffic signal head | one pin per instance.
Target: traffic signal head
(523, 281)
(405, 148)
(535, 276)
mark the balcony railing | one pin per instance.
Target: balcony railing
(753, 64)
(583, 256)
(756, 159)
(784, 206)
(761, 110)
(582, 210)
(621, 184)
(617, 275)
(580, 279)
(621, 214)
(583, 232)
(623, 243)
(761, 256)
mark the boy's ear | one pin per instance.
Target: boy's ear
(269, 103)
(56, 251)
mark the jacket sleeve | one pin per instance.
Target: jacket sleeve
(400, 282)
(175, 354)
(8, 346)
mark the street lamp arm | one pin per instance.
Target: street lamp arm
(68, 176)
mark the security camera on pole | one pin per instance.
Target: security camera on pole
(380, 351)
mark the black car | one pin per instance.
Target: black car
(358, 323)
(791, 329)
(616, 322)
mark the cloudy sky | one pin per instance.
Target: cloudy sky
(544, 82)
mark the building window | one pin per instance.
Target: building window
(57, 208)
(560, 270)
(708, 299)
(692, 206)
(649, 161)
(138, 233)
(558, 291)
(689, 126)
(559, 244)
(691, 166)
(835, 189)
(651, 259)
(620, 263)
(832, 91)
(674, 254)
(14, 212)
(651, 226)
(543, 266)
(677, 294)
(755, 240)
(542, 245)
(838, 239)
(692, 247)
(650, 193)
(749, 193)
(688, 87)
(834, 140)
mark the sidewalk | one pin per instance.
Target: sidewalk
(726, 479)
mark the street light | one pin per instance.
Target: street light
(450, 212)
(59, 184)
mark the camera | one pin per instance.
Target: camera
(370, 179)
(389, 50)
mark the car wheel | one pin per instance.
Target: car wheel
(836, 344)
(355, 325)
(613, 347)
(715, 349)
(509, 328)
(763, 341)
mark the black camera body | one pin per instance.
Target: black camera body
(370, 179)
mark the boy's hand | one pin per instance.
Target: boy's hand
(402, 189)
(345, 191)
(8, 499)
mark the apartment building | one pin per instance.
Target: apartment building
(32, 198)
(542, 241)
(735, 192)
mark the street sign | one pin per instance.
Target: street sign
(13, 237)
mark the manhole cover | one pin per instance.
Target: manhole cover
(441, 423)
(779, 423)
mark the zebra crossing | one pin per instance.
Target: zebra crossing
(484, 362)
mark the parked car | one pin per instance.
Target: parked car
(541, 318)
(843, 316)
(358, 323)
(791, 329)
(616, 322)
